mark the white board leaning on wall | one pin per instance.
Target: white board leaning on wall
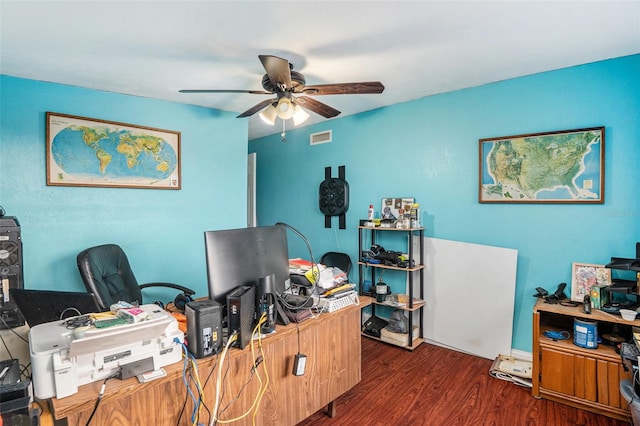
(470, 296)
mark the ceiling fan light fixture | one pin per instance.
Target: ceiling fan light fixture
(285, 108)
(300, 115)
(269, 115)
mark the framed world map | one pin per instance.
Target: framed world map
(553, 167)
(91, 152)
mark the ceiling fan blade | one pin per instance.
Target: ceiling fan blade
(344, 88)
(253, 92)
(278, 70)
(318, 107)
(256, 108)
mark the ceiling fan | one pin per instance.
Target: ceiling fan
(281, 80)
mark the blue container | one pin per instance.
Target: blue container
(585, 333)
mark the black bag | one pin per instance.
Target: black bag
(373, 325)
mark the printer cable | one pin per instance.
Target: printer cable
(100, 395)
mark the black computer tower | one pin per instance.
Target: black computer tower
(11, 270)
(204, 327)
(241, 307)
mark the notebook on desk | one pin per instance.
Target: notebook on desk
(41, 306)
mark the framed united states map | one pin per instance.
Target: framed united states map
(553, 167)
(91, 152)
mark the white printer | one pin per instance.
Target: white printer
(64, 358)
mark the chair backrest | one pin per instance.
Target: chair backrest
(337, 259)
(106, 272)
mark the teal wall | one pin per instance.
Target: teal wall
(425, 148)
(428, 149)
(161, 230)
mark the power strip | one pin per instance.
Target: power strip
(330, 304)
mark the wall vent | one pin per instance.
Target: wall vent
(320, 137)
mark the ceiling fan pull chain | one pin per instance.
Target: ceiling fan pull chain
(283, 135)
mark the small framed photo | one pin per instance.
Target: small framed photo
(586, 275)
(391, 207)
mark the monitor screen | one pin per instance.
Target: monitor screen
(41, 306)
(242, 256)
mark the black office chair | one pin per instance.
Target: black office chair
(337, 259)
(106, 272)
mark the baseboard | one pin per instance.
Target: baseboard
(516, 353)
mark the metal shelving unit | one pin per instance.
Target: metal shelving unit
(415, 305)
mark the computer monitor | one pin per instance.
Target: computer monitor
(243, 256)
(41, 306)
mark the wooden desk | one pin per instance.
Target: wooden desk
(331, 343)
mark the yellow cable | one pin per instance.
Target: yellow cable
(266, 372)
(253, 407)
(214, 414)
(194, 372)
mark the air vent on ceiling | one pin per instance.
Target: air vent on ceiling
(320, 137)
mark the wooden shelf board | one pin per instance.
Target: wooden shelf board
(381, 266)
(602, 351)
(380, 228)
(416, 342)
(416, 305)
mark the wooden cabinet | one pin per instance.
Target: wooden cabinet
(413, 274)
(573, 375)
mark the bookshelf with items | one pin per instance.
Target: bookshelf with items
(411, 303)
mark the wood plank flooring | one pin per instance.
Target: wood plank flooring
(437, 386)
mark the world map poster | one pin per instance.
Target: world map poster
(91, 152)
(553, 167)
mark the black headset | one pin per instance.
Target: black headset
(182, 299)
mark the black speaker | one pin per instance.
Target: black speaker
(333, 196)
(204, 327)
(11, 271)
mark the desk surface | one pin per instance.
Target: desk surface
(330, 341)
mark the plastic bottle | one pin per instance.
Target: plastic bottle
(415, 215)
(370, 212)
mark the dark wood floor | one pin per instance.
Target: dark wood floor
(437, 386)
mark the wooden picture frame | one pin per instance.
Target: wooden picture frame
(98, 153)
(586, 275)
(552, 167)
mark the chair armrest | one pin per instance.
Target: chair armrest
(185, 290)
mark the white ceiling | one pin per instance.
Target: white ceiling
(415, 48)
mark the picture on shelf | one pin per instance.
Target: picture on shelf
(586, 275)
(391, 207)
